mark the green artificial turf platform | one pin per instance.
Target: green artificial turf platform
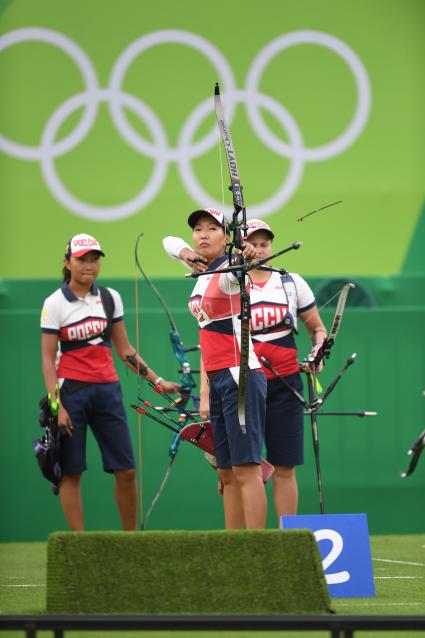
(177, 572)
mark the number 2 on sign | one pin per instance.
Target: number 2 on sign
(337, 545)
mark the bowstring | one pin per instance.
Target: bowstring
(220, 159)
(235, 340)
(139, 418)
(325, 304)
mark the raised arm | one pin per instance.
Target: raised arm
(179, 250)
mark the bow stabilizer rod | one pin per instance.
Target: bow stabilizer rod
(247, 267)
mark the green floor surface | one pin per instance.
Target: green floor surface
(398, 564)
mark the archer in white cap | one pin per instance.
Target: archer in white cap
(215, 304)
(277, 301)
(83, 321)
(82, 244)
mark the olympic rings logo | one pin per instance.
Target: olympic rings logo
(186, 149)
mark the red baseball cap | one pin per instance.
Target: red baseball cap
(81, 244)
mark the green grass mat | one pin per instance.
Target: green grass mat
(399, 570)
(215, 572)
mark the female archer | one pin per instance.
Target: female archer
(75, 324)
(276, 303)
(215, 304)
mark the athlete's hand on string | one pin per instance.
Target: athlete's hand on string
(249, 253)
(169, 386)
(64, 421)
(194, 260)
(309, 366)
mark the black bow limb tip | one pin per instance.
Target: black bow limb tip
(415, 452)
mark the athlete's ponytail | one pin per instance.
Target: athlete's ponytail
(66, 275)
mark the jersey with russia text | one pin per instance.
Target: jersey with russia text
(215, 303)
(79, 324)
(274, 309)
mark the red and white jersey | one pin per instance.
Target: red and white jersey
(273, 303)
(215, 304)
(274, 309)
(79, 324)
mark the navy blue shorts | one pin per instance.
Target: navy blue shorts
(100, 406)
(232, 447)
(284, 423)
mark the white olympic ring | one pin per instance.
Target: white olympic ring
(362, 83)
(159, 149)
(142, 44)
(89, 75)
(87, 210)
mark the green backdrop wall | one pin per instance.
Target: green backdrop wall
(361, 457)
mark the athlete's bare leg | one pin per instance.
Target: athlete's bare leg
(254, 500)
(126, 497)
(70, 496)
(285, 490)
(232, 500)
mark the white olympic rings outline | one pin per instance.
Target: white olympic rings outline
(185, 150)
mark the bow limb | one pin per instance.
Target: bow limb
(239, 229)
(236, 188)
(187, 382)
(415, 452)
(325, 349)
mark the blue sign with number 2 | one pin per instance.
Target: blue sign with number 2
(343, 541)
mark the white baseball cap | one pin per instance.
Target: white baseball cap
(258, 224)
(81, 244)
(205, 212)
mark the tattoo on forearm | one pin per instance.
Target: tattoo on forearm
(139, 367)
